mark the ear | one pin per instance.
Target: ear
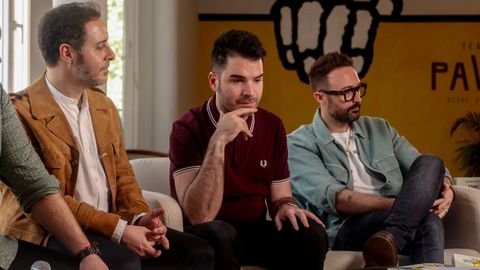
(319, 97)
(213, 80)
(66, 53)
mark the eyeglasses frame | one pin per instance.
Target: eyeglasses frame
(344, 92)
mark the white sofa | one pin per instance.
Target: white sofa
(462, 224)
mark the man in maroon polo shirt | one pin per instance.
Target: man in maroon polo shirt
(229, 157)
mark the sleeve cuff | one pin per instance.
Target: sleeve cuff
(41, 188)
(136, 218)
(117, 234)
(332, 191)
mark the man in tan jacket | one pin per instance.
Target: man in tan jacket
(76, 130)
(38, 193)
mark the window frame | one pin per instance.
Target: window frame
(15, 51)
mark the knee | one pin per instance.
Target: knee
(316, 234)
(200, 249)
(430, 161)
(123, 258)
(220, 233)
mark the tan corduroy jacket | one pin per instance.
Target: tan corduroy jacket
(54, 141)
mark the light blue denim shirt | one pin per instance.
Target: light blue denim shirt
(319, 166)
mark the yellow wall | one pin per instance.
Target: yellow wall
(399, 79)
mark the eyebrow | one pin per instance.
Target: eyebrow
(102, 41)
(350, 86)
(243, 77)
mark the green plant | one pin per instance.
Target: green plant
(468, 154)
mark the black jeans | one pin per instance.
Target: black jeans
(186, 252)
(29, 253)
(259, 243)
(419, 233)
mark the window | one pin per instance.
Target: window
(3, 41)
(115, 23)
(16, 63)
(14, 45)
(122, 23)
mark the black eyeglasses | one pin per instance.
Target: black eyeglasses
(349, 93)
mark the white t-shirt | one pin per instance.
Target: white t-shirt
(363, 180)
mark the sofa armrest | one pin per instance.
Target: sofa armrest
(462, 222)
(173, 214)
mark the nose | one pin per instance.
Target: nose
(111, 53)
(248, 90)
(356, 97)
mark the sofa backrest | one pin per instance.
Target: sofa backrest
(153, 174)
(462, 223)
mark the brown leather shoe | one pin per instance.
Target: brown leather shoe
(380, 250)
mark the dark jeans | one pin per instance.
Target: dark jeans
(419, 233)
(186, 252)
(29, 253)
(259, 243)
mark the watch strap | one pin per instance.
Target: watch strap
(90, 249)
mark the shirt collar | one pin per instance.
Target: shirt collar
(214, 114)
(63, 99)
(324, 134)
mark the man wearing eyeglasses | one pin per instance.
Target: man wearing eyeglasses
(375, 191)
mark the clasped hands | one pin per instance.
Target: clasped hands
(146, 234)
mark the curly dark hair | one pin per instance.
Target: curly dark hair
(324, 64)
(65, 24)
(236, 42)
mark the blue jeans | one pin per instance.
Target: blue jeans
(419, 233)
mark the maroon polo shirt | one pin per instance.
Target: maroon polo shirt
(251, 166)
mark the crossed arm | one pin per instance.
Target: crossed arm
(354, 203)
(316, 184)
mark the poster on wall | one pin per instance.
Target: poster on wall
(421, 59)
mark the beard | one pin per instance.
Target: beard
(85, 74)
(346, 115)
(237, 104)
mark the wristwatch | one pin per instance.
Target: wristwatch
(88, 250)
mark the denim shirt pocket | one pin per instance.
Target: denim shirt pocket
(390, 168)
(386, 163)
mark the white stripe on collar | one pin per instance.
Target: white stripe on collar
(214, 122)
